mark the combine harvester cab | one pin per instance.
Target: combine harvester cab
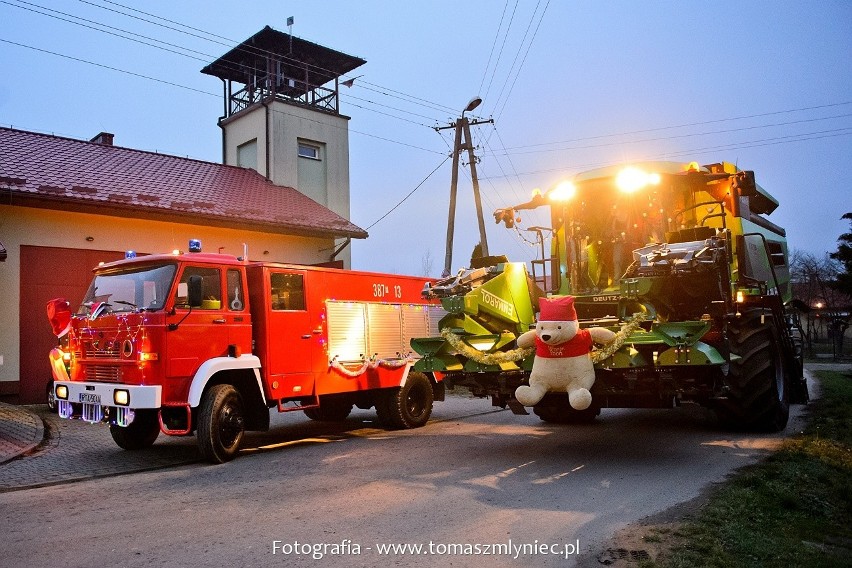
(680, 259)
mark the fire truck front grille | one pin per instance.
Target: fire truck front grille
(103, 373)
(101, 351)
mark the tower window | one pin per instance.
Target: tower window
(247, 155)
(309, 151)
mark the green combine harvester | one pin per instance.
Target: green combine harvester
(678, 258)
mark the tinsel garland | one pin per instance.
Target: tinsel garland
(628, 327)
(520, 353)
(485, 358)
(371, 363)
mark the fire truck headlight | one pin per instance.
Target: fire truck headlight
(740, 297)
(121, 397)
(62, 392)
(66, 356)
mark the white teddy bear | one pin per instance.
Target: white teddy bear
(562, 357)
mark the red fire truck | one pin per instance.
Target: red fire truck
(208, 343)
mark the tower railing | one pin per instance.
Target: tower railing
(286, 89)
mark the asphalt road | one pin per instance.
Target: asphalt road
(476, 486)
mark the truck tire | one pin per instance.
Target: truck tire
(408, 406)
(555, 409)
(757, 386)
(140, 434)
(50, 396)
(221, 423)
(330, 410)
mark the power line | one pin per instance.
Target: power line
(707, 149)
(673, 137)
(515, 60)
(493, 45)
(178, 85)
(167, 46)
(218, 37)
(518, 73)
(125, 71)
(227, 42)
(502, 46)
(410, 193)
(106, 31)
(687, 125)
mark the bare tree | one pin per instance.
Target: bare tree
(843, 255)
(427, 263)
(813, 280)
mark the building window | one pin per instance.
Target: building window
(309, 151)
(247, 155)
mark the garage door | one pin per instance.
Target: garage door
(47, 273)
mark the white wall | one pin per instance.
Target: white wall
(249, 126)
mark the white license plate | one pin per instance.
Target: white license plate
(90, 397)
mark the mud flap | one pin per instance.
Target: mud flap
(517, 407)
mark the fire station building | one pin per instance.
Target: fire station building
(282, 194)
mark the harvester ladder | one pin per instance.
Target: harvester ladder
(540, 277)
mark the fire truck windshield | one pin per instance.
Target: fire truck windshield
(130, 288)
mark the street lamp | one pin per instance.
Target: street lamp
(474, 102)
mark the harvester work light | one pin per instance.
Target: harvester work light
(632, 179)
(565, 191)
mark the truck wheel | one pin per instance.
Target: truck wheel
(221, 423)
(757, 386)
(555, 409)
(140, 434)
(330, 410)
(408, 406)
(50, 396)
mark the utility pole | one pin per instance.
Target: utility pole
(463, 141)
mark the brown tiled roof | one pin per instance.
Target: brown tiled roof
(40, 170)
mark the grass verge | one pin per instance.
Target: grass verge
(794, 509)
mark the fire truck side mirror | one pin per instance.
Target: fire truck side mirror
(195, 295)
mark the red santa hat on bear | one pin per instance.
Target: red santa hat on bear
(557, 309)
(59, 314)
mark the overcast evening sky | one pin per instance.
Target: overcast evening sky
(571, 85)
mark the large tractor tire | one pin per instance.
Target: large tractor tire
(140, 434)
(555, 409)
(408, 406)
(757, 397)
(221, 423)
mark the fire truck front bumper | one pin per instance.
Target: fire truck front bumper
(102, 402)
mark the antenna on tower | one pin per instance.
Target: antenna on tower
(290, 21)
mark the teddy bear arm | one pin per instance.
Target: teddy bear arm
(526, 339)
(601, 335)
